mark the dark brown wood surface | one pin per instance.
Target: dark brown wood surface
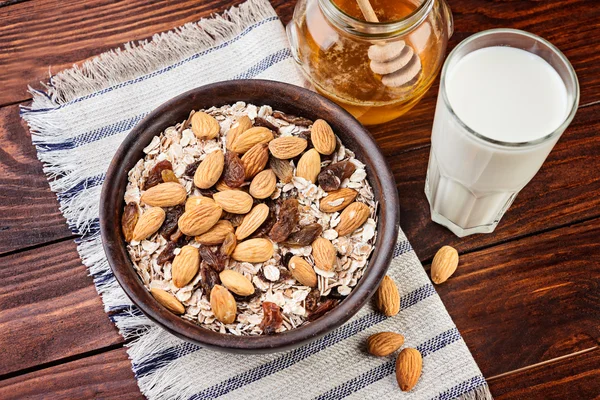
(526, 298)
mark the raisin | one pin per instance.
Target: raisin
(208, 279)
(129, 220)
(214, 260)
(176, 236)
(207, 192)
(305, 236)
(190, 170)
(168, 176)
(332, 176)
(167, 254)
(286, 258)
(292, 119)
(312, 300)
(228, 245)
(234, 173)
(288, 218)
(155, 175)
(334, 294)
(322, 309)
(169, 226)
(235, 219)
(259, 121)
(272, 318)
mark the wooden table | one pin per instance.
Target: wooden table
(525, 298)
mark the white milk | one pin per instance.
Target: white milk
(505, 94)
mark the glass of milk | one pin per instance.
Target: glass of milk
(506, 96)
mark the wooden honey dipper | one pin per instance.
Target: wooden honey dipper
(396, 62)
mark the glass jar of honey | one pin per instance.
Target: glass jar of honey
(375, 70)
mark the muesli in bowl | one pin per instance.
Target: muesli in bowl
(249, 221)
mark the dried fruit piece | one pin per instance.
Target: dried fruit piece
(236, 282)
(286, 147)
(185, 266)
(253, 251)
(387, 297)
(383, 344)
(259, 121)
(252, 221)
(288, 218)
(164, 195)
(246, 140)
(241, 125)
(302, 271)
(129, 219)
(155, 175)
(323, 309)
(212, 259)
(324, 254)
(282, 168)
(190, 170)
(177, 235)
(322, 137)
(169, 301)
(223, 304)
(148, 223)
(169, 226)
(194, 201)
(215, 235)
(292, 119)
(210, 169)
(337, 200)
(167, 254)
(409, 365)
(305, 236)
(352, 218)
(312, 300)
(208, 279)
(204, 126)
(234, 173)
(263, 185)
(228, 245)
(444, 264)
(309, 165)
(333, 175)
(199, 219)
(234, 201)
(255, 159)
(169, 176)
(272, 318)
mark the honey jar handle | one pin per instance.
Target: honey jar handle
(367, 10)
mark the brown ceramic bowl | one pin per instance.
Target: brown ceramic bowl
(289, 99)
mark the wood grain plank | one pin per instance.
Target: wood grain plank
(49, 308)
(575, 377)
(106, 376)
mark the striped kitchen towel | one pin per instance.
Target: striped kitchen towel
(78, 122)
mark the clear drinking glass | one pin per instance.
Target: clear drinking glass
(472, 179)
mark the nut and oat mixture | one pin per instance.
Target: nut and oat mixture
(265, 243)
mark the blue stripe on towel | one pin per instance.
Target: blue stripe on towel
(462, 388)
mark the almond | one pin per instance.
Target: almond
(194, 201)
(234, 201)
(337, 200)
(149, 222)
(216, 234)
(302, 271)
(164, 195)
(287, 147)
(322, 137)
(169, 301)
(204, 126)
(210, 169)
(236, 282)
(409, 365)
(252, 221)
(222, 186)
(444, 264)
(199, 219)
(253, 251)
(324, 254)
(309, 165)
(387, 297)
(282, 168)
(223, 304)
(263, 185)
(383, 344)
(241, 125)
(247, 139)
(255, 159)
(352, 218)
(185, 266)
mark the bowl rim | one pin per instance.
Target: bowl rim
(128, 279)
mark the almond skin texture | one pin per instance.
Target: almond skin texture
(387, 297)
(236, 282)
(216, 234)
(241, 125)
(148, 223)
(263, 185)
(252, 221)
(255, 159)
(309, 165)
(409, 365)
(223, 304)
(322, 137)
(287, 147)
(169, 301)
(444, 264)
(253, 251)
(324, 254)
(199, 219)
(302, 271)
(337, 200)
(234, 201)
(194, 201)
(210, 169)
(167, 194)
(352, 218)
(204, 126)
(282, 168)
(185, 266)
(246, 140)
(383, 344)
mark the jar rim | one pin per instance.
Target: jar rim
(375, 30)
